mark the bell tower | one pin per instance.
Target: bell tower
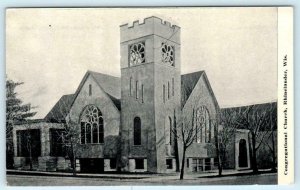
(150, 93)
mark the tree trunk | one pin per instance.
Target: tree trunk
(176, 144)
(254, 162)
(182, 164)
(30, 157)
(74, 159)
(218, 151)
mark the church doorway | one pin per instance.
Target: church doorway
(243, 160)
(92, 165)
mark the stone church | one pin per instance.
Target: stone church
(127, 123)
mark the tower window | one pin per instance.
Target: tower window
(164, 93)
(167, 54)
(137, 54)
(137, 131)
(168, 90)
(142, 93)
(136, 89)
(90, 90)
(130, 86)
(172, 86)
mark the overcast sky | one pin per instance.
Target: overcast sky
(51, 49)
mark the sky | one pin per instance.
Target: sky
(50, 50)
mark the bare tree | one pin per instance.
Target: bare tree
(255, 118)
(186, 132)
(223, 135)
(69, 136)
(271, 137)
(72, 142)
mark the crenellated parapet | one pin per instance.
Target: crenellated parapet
(149, 26)
(149, 20)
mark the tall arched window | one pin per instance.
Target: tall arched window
(92, 130)
(137, 136)
(168, 131)
(203, 129)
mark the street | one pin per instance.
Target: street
(25, 180)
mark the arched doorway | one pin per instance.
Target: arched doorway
(243, 160)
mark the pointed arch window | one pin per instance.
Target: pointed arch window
(92, 130)
(203, 129)
(137, 136)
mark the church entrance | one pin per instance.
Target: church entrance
(243, 160)
(92, 165)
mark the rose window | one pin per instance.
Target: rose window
(168, 54)
(137, 53)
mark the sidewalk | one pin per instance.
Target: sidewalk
(171, 176)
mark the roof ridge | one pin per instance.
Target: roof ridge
(94, 72)
(250, 104)
(193, 72)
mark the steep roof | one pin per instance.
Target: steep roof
(188, 83)
(257, 107)
(111, 85)
(61, 109)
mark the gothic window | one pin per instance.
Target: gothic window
(167, 54)
(137, 53)
(136, 89)
(142, 93)
(168, 131)
(137, 136)
(168, 90)
(92, 130)
(130, 86)
(203, 129)
(164, 93)
(172, 86)
(90, 90)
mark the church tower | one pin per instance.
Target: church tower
(150, 94)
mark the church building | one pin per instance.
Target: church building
(127, 123)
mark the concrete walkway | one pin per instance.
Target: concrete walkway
(170, 176)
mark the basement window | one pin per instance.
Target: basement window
(169, 163)
(139, 163)
(113, 163)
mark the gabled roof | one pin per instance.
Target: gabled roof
(111, 85)
(188, 83)
(256, 107)
(61, 109)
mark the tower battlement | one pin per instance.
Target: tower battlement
(149, 26)
(149, 20)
